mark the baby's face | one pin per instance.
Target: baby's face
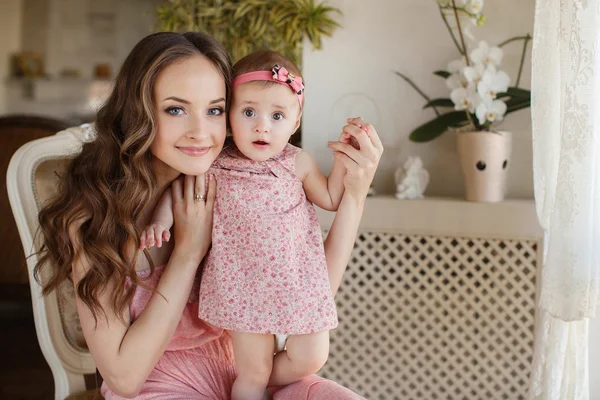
(263, 117)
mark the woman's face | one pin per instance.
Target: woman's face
(189, 104)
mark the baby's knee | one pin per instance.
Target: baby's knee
(311, 359)
(259, 373)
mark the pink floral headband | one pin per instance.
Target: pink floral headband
(277, 74)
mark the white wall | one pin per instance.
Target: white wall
(83, 33)
(353, 75)
(74, 36)
(10, 32)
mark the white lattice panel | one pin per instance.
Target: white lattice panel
(436, 317)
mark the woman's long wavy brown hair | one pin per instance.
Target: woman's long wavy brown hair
(105, 187)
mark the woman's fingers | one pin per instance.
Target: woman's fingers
(200, 186)
(370, 130)
(189, 189)
(212, 191)
(177, 190)
(346, 149)
(349, 163)
(360, 136)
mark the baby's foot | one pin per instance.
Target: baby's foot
(154, 235)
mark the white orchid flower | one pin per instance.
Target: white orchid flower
(456, 79)
(490, 111)
(486, 55)
(456, 66)
(465, 98)
(474, 73)
(492, 83)
(474, 6)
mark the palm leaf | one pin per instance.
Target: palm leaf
(245, 25)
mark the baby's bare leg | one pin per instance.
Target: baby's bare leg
(305, 355)
(254, 361)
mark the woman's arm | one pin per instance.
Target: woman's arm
(360, 165)
(126, 353)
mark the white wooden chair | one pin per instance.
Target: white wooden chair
(30, 179)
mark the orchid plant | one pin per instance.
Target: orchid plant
(480, 92)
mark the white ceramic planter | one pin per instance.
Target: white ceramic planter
(484, 158)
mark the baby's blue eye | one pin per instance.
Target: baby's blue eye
(278, 116)
(249, 113)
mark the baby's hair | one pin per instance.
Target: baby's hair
(265, 60)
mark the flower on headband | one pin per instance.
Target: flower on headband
(281, 74)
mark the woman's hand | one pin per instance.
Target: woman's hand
(360, 156)
(193, 208)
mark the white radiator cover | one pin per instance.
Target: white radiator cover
(438, 301)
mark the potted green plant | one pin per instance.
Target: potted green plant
(244, 26)
(480, 97)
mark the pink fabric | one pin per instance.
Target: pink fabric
(191, 332)
(199, 362)
(266, 271)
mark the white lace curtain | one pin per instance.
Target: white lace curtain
(566, 147)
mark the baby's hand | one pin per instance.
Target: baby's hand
(155, 234)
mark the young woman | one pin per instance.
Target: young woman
(165, 118)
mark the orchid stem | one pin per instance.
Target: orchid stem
(414, 86)
(525, 40)
(451, 32)
(460, 34)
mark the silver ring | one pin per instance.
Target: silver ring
(199, 197)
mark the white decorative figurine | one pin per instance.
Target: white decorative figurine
(411, 179)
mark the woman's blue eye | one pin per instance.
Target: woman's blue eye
(278, 116)
(215, 111)
(174, 110)
(249, 113)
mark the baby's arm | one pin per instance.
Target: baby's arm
(325, 192)
(162, 221)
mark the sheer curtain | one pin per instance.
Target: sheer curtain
(565, 113)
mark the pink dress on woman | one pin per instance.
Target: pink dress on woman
(266, 272)
(199, 363)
